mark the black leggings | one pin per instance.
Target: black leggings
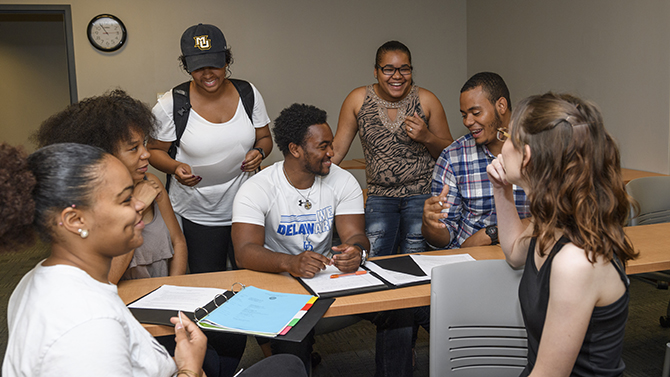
(208, 247)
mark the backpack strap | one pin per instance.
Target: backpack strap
(247, 96)
(181, 108)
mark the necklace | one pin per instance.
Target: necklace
(306, 203)
(401, 106)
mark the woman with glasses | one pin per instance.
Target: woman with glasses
(403, 129)
(574, 290)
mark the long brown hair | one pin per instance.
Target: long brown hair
(573, 175)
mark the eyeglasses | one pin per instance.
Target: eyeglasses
(390, 70)
(502, 134)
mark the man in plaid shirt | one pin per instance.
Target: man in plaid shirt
(461, 212)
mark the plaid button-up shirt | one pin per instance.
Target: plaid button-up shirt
(462, 166)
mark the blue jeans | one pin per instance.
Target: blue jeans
(394, 222)
(393, 349)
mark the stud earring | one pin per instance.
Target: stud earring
(83, 233)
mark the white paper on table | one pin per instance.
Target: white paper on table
(393, 277)
(323, 283)
(172, 297)
(427, 262)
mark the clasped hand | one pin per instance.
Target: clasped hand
(309, 263)
(146, 191)
(185, 176)
(252, 161)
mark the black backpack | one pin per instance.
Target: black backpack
(182, 107)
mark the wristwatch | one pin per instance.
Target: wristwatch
(260, 150)
(364, 253)
(492, 232)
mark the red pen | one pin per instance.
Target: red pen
(362, 272)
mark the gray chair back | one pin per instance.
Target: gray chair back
(476, 326)
(653, 195)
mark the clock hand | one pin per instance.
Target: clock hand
(103, 29)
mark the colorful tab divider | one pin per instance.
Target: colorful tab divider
(298, 316)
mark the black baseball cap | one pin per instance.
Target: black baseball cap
(203, 46)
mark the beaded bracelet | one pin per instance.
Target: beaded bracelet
(189, 373)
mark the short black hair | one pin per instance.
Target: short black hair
(492, 84)
(102, 121)
(293, 122)
(392, 46)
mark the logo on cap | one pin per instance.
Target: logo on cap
(202, 42)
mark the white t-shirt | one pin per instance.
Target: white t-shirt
(62, 322)
(215, 152)
(269, 200)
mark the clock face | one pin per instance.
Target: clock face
(106, 33)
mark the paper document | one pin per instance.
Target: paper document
(425, 262)
(216, 174)
(322, 282)
(172, 297)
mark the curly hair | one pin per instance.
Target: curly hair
(492, 84)
(391, 46)
(17, 208)
(103, 121)
(573, 176)
(229, 62)
(292, 124)
(43, 184)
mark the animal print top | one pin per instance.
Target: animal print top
(396, 165)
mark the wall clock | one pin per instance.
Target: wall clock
(106, 33)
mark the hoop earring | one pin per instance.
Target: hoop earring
(83, 233)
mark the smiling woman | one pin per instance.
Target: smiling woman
(120, 124)
(209, 146)
(82, 202)
(403, 129)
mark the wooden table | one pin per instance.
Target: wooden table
(652, 241)
(353, 164)
(630, 174)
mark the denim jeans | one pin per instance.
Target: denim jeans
(394, 222)
(393, 349)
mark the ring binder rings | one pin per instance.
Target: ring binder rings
(158, 306)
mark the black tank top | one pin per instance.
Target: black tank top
(600, 354)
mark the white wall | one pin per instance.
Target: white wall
(292, 50)
(614, 52)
